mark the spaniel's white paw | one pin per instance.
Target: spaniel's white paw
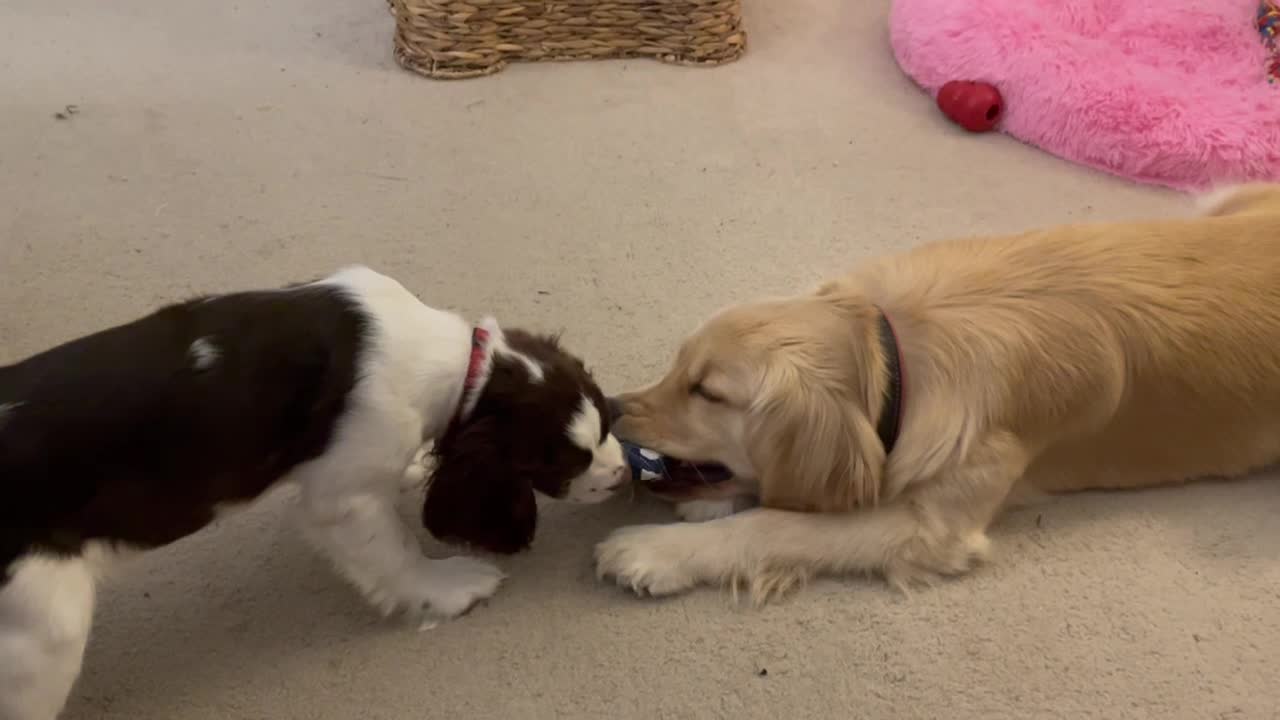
(440, 588)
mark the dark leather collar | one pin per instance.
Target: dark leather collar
(890, 423)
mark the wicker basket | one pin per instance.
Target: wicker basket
(465, 38)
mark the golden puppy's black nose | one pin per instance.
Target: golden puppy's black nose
(615, 408)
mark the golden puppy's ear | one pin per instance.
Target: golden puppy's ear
(812, 444)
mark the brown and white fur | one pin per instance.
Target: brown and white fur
(137, 436)
(1121, 355)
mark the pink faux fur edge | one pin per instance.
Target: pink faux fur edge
(1171, 93)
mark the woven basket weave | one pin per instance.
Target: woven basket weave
(466, 38)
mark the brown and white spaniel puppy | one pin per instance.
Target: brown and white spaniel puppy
(139, 435)
(884, 420)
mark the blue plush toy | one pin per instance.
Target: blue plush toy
(646, 465)
(659, 472)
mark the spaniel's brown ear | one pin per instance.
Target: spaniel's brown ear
(813, 445)
(473, 497)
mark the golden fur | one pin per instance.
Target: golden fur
(1117, 355)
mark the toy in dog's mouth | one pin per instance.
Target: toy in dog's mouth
(670, 476)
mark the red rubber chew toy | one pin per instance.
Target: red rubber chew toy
(974, 106)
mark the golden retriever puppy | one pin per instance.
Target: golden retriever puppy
(884, 420)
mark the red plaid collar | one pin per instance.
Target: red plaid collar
(475, 372)
(479, 341)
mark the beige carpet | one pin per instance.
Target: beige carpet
(222, 145)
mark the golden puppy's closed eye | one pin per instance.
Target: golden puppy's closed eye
(899, 408)
(700, 389)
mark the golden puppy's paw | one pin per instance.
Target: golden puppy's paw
(649, 559)
(765, 585)
(922, 564)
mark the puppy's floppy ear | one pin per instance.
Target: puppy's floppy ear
(812, 444)
(473, 497)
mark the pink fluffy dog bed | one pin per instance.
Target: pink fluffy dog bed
(1171, 92)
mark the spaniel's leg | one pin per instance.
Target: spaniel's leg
(46, 609)
(356, 524)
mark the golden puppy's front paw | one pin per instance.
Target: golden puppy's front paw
(649, 559)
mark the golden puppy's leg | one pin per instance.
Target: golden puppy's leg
(703, 510)
(952, 513)
(940, 530)
(767, 551)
